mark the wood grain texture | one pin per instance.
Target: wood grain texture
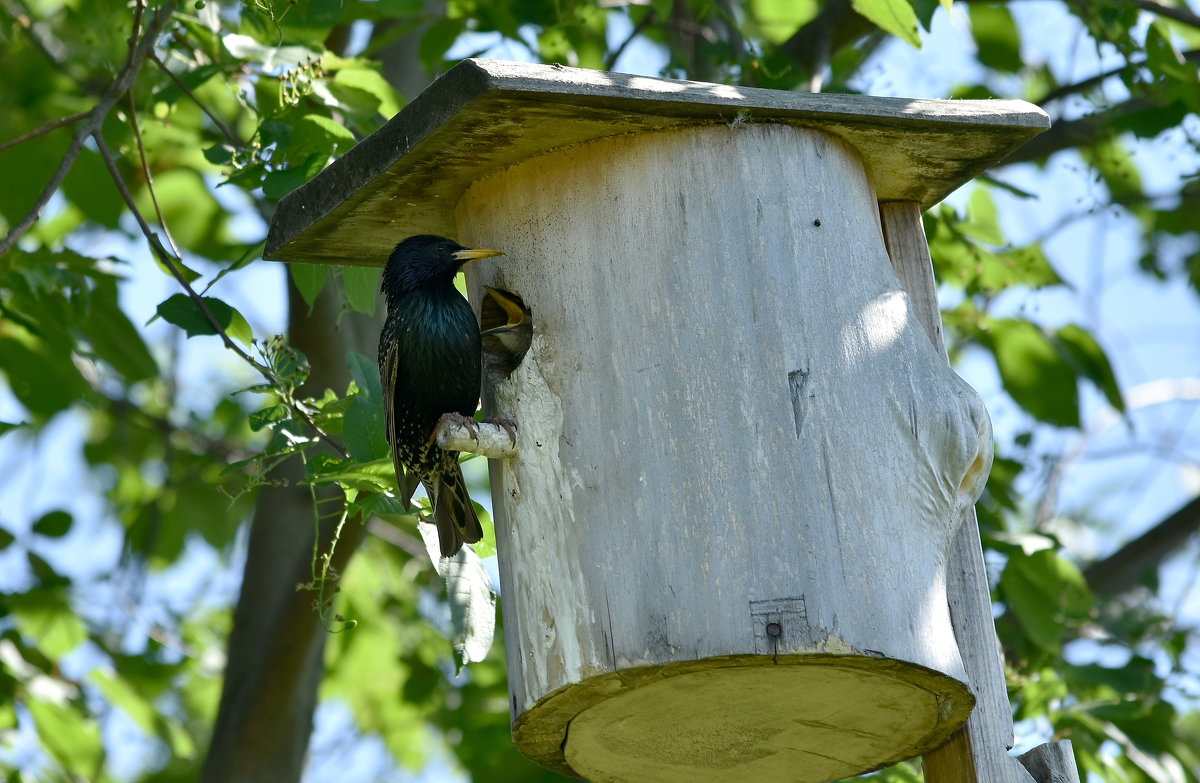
(1053, 762)
(978, 752)
(483, 115)
(730, 418)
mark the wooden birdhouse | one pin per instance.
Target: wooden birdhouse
(731, 542)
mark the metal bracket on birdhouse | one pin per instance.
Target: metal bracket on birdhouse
(488, 439)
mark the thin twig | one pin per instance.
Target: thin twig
(1192, 55)
(44, 130)
(134, 31)
(169, 262)
(611, 61)
(221, 126)
(141, 147)
(1179, 13)
(97, 115)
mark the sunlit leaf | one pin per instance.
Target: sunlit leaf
(1034, 372)
(1091, 361)
(49, 622)
(893, 16)
(72, 738)
(996, 35)
(1046, 592)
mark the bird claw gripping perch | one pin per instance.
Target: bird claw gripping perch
(449, 421)
(495, 439)
(506, 424)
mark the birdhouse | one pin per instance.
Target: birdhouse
(733, 532)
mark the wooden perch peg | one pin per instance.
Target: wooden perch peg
(484, 438)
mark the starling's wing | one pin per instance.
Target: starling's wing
(453, 512)
(406, 481)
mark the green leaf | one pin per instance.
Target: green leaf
(438, 38)
(1091, 361)
(373, 82)
(183, 312)
(1045, 592)
(55, 524)
(997, 36)
(314, 134)
(1115, 164)
(267, 416)
(363, 429)
(71, 737)
(983, 219)
(6, 539)
(282, 181)
(309, 280)
(1033, 371)
(113, 336)
(376, 476)
(893, 16)
(362, 285)
(49, 622)
(365, 373)
(125, 697)
(44, 381)
(8, 426)
(270, 57)
(1023, 266)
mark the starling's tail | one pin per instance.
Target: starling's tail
(453, 512)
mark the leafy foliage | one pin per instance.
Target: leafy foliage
(228, 108)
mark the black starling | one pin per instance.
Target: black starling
(429, 360)
(507, 326)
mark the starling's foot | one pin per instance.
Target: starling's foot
(505, 423)
(456, 418)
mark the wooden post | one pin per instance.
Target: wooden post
(725, 541)
(978, 752)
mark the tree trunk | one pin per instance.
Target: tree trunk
(275, 653)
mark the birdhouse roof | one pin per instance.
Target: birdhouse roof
(482, 115)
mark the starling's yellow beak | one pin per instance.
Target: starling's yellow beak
(471, 255)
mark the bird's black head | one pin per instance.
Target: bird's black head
(425, 260)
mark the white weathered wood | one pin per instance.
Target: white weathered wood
(977, 753)
(483, 115)
(731, 425)
(487, 440)
(1053, 762)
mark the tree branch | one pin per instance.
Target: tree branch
(1178, 13)
(1192, 55)
(96, 117)
(837, 25)
(1125, 568)
(137, 135)
(221, 126)
(169, 262)
(1077, 133)
(43, 130)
